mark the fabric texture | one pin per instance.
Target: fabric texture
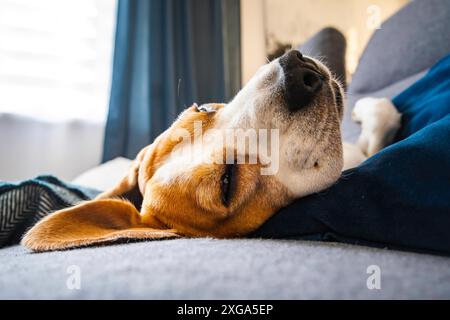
(400, 197)
(23, 204)
(223, 269)
(407, 44)
(168, 55)
(426, 102)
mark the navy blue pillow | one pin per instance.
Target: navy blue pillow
(400, 197)
(426, 101)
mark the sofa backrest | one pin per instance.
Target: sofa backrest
(409, 42)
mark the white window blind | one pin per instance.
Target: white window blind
(55, 57)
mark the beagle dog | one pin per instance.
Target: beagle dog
(222, 170)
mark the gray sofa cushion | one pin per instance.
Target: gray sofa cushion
(409, 42)
(223, 269)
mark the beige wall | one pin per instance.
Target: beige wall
(293, 21)
(253, 46)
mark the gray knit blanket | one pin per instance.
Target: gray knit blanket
(23, 204)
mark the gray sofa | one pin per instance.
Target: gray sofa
(398, 54)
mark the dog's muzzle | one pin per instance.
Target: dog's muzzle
(302, 80)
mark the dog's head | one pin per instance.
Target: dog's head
(222, 170)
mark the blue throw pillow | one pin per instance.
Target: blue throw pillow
(400, 197)
(426, 101)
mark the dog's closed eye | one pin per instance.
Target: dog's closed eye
(228, 183)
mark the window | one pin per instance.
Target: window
(55, 57)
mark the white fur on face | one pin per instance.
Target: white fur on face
(308, 162)
(306, 155)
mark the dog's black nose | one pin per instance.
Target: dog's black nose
(302, 80)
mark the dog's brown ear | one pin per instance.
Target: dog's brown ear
(93, 222)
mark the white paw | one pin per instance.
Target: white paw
(379, 120)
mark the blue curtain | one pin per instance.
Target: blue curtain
(168, 54)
